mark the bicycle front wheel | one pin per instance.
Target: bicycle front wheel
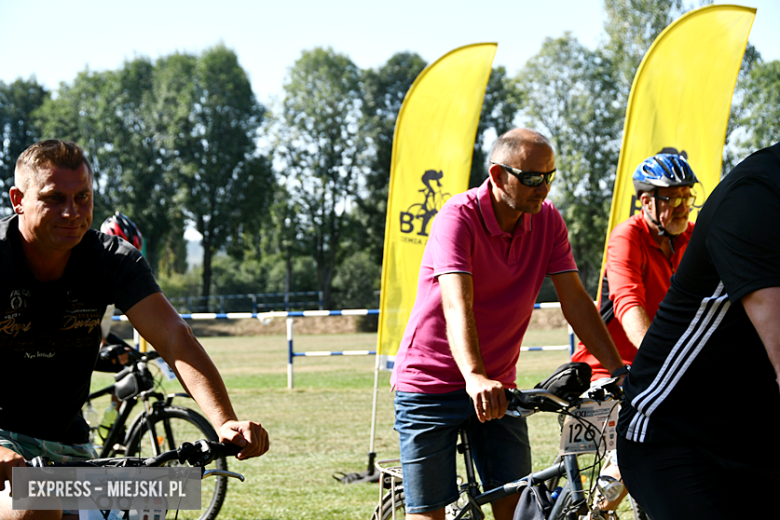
(167, 430)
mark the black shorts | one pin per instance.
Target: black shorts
(673, 481)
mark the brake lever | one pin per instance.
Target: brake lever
(223, 473)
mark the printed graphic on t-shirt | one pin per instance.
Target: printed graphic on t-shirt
(64, 324)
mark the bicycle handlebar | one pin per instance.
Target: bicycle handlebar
(528, 402)
(110, 352)
(537, 399)
(199, 453)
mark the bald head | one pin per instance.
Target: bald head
(516, 142)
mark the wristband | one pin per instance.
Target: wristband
(625, 369)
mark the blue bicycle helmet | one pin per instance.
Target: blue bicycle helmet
(664, 170)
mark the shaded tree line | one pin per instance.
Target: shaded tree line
(293, 196)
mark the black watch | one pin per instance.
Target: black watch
(625, 369)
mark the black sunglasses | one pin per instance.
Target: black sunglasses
(530, 179)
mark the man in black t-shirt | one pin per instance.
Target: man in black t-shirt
(703, 395)
(58, 276)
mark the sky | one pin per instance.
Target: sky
(54, 40)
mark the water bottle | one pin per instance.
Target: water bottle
(610, 487)
(109, 418)
(91, 416)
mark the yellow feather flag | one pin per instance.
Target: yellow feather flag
(680, 101)
(432, 148)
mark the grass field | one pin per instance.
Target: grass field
(323, 425)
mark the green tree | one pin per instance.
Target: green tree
(316, 142)
(109, 114)
(18, 129)
(502, 102)
(170, 107)
(145, 189)
(569, 94)
(357, 282)
(210, 119)
(631, 26)
(282, 244)
(740, 122)
(760, 114)
(84, 111)
(384, 90)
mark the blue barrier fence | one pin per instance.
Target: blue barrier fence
(290, 315)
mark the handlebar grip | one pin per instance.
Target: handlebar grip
(203, 452)
(517, 399)
(228, 449)
(537, 399)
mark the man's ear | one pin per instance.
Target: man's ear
(646, 198)
(496, 175)
(15, 194)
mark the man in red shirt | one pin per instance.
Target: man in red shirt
(642, 254)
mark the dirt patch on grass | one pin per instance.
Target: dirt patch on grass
(547, 319)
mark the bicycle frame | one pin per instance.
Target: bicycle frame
(568, 467)
(115, 442)
(573, 499)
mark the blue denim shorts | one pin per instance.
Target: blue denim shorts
(428, 426)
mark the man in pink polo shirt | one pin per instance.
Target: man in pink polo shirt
(488, 252)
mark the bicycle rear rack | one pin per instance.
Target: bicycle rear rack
(390, 477)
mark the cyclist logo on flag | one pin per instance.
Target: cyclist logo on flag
(419, 214)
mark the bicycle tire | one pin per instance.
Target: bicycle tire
(173, 426)
(384, 511)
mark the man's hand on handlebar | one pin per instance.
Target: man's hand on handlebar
(250, 435)
(488, 397)
(8, 460)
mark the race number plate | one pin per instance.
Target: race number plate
(167, 371)
(591, 429)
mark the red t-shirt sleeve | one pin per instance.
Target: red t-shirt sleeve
(625, 265)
